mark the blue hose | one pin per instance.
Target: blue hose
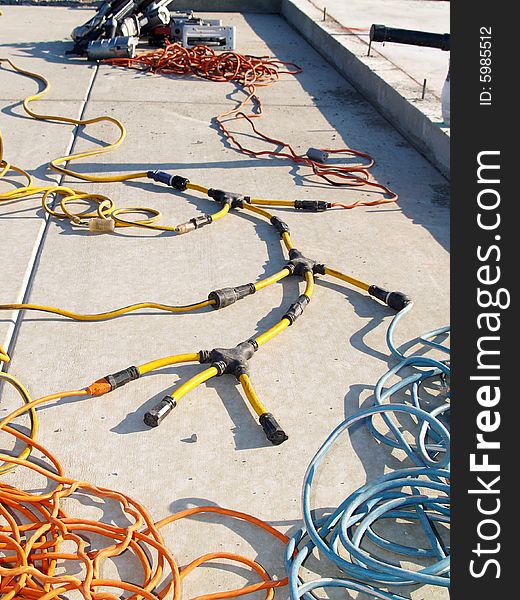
(417, 494)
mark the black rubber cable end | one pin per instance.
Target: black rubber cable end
(154, 417)
(274, 433)
(174, 181)
(395, 300)
(123, 377)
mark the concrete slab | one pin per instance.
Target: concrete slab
(37, 42)
(30, 144)
(311, 376)
(34, 45)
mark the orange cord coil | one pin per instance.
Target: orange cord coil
(34, 527)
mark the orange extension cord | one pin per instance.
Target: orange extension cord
(251, 72)
(34, 527)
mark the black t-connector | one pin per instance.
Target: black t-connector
(395, 300)
(230, 361)
(234, 200)
(299, 264)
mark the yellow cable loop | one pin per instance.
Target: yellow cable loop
(67, 196)
(56, 164)
(24, 394)
(355, 282)
(167, 361)
(250, 393)
(109, 314)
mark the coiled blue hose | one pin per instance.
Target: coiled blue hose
(419, 494)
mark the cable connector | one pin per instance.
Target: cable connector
(234, 200)
(98, 388)
(299, 264)
(155, 416)
(230, 361)
(317, 155)
(100, 225)
(174, 181)
(280, 225)
(195, 223)
(123, 377)
(312, 205)
(227, 296)
(274, 433)
(395, 300)
(296, 309)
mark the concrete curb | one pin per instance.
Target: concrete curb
(377, 79)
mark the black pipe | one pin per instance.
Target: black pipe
(382, 33)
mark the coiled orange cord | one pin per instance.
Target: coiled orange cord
(34, 527)
(250, 72)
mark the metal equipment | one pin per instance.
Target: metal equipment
(118, 47)
(118, 23)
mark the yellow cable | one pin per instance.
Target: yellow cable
(143, 223)
(4, 357)
(250, 393)
(261, 202)
(169, 360)
(270, 333)
(284, 323)
(24, 394)
(223, 211)
(198, 188)
(355, 282)
(194, 382)
(263, 283)
(109, 314)
(309, 280)
(286, 238)
(259, 211)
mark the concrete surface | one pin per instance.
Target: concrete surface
(424, 15)
(392, 90)
(310, 377)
